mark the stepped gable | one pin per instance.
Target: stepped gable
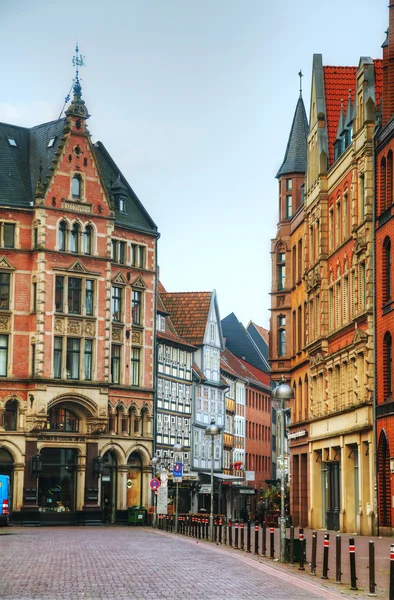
(189, 313)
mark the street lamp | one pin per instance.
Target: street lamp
(178, 449)
(279, 396)
(212, 430)
(155, 461)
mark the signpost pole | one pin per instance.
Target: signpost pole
(176, 505)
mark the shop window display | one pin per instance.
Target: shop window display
(57, 481)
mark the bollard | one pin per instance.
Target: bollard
(256, 539)
(338, 574)
(301, 546)
(199, 528)
(352, 556)
(193, 528)
(242, 536)
(248, 536)
(291, 553)
(391, 596)
(207, 528)
(264, 542)
(236, 536)
(272, 543)
(220, 530)
(372, 583)
(325, 555)
(230, 533)
(314, 549)
(167, 522)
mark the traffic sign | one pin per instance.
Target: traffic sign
(154, 484)
(177, 471)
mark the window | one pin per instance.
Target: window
(116, 303)
(115, 363)
(11, 416)
(362, 286)
(76, 186)
(88, 359)
(303, 193)
(12, 142)
(51, 142)
(61, 419)
(281, 335)
(87, 240)
(136, 312)
(299, 260)
(338, 224)
(135, 366)
(138, 256)
(362, 195)
(33, 360)
(3, 355)
(59, 293)
(118, 251)
(89, 296)
(8, 235)
(289, 185)
(388, 366)
(62, 236)
(5, 291)
(386, 281)
(74, 295)
(345, 216)
(34, 302)
(122, 204)
(289, 206)
(57, 357)
(73, 358)
(281, 270)
(74, 238)
(35, 238)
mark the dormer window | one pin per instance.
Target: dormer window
(76, 187)
(51, 142)
(12, 142)
(122, 204)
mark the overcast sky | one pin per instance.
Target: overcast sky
(194, 100)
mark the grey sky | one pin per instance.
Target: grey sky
(194, 100)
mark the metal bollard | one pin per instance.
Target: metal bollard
(372, 583)
(272, 543)
(338, 547)
(256, 538)
(301, 540)
(391, 596)
(236, 536)
(230, 533)
(264, 541)
(207, 528)
(325, 555)
(220, 529)
(242, 536)
(352, 556)
(199, 524)
(248, 536)
(291, 553)
(314, 549)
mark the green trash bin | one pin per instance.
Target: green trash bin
(136, 515)
(297, 552)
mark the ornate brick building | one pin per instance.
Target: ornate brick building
(77, 315)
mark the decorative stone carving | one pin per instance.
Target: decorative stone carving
(139, 283)
(59, 325)
(4, 323)
(89, 328)
(136, 337)
(74, 327)
(4, 264)
(360, 243)
(96, 426)
(317, 358)
(33, 424)
(312, 280)
(120, 279)
(117, 334)
(78, 267)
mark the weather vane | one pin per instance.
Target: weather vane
(300, 75)
(78, 61)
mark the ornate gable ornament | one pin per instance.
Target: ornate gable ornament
(139, 283)
(316, 359)
(78, 267)
(119, 279)
(4, 264)
(360, 336)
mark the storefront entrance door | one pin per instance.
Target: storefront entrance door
(331, 481)
(108, 488)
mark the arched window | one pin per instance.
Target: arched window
(11, 416)
(87, 240)
(386, 279)
(281, 265)
(387, 365)
(389, 179)
(384, 485)
(62, 419)
(144, 421)
(62, 236)
(281, 335)
(74, 238)
(76, 186)
(383, 185)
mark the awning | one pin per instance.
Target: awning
(223, 476)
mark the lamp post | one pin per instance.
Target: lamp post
(178, 449)
(212, 430)
(155, 462)
(279, 396)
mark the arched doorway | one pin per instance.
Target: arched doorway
(108, 487)
(384, 483)
(7, 468)
(134, 480)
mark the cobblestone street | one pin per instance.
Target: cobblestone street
(85, 563)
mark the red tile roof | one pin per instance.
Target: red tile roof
(257, 374)
(337, 83)
(189, 313)
(160, 287)
(170, 333)
(233, 365)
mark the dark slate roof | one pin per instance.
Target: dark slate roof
(136, 216)
(20, 165)
(296, 152)
(240, 343)
(255, 334)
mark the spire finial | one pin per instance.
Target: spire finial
(78, 61)
(300, 75)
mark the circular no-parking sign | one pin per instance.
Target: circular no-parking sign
(154, 484)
